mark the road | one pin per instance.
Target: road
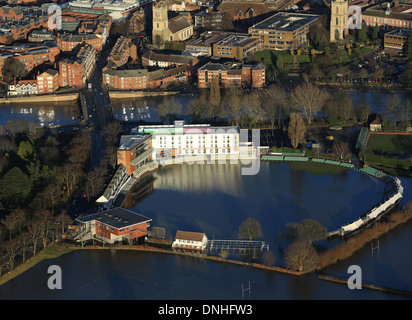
(97, 113)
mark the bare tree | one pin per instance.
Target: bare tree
(12, 248)
(215, 98)
(197, 108)
(15, 220)
(301, 256)
(34, 228)
(233, 105)
(274, 104)
(308, 99)
(112, 132)
(341, 149)
(24, 242)
(296, 130)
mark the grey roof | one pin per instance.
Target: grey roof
(286, 21)
(128, 142)
(116, 217)
(214, 66)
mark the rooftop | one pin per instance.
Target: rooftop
(128, 142)
(286, 21)
(116, 217)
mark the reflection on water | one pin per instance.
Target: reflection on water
(216, 198)
(144, 109)
(208, 205)
(47, 114)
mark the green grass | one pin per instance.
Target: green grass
(390, 144)
(269, 57)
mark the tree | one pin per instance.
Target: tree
(197, 108)
(362, 36)
(250, 228)
(169, 109)
(393, 106)
(296, 130)
(158, 41)
(15, 187)
(301, 256)
(13, 68)
(26, 151)
(308, 99)
(274, 105)
(363, 110)
(214, 97)
(307, 229)
(269, 258)
(375, 32)
(112, 132)
(12, 248)
(233, 105)
(341, 149)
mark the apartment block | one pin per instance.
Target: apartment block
(30, 54)
(283, 30)
(250, 75)
(75, 71)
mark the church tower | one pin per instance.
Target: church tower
(160, 20)
(338, 20)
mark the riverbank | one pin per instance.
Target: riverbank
(51, 252)
(139, 94)
(44, 98)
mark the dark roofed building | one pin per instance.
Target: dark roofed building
(150, 58)
(113, 225)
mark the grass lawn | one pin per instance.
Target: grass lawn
(390, 144)
(269, 57)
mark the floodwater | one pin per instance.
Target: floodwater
(215, 199)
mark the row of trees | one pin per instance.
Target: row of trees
(301, 255)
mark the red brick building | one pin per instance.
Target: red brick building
(11, 13)
(30, 55)
(250, 75)
(48, 81)
(113, 225)
(75, 71)
(68, 41)
(140, 79)
(151, 58)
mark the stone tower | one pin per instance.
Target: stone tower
(338, 20)
(160, 21)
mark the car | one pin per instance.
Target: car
(84, 195)
(75, 128)
(101, 93)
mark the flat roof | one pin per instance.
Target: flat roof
(286, 21)
(117, 218)
(128, 142)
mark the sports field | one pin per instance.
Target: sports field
(390, 144)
